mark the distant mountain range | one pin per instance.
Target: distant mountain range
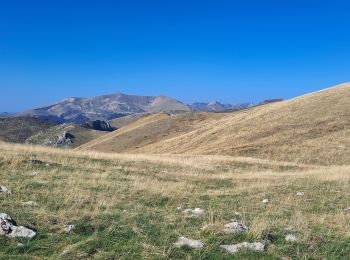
(108, 107)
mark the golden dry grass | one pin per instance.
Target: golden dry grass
(124, 205)
(311, 129)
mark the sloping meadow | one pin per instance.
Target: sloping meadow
(95, 205)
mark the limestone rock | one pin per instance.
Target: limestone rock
(256, 246)
(68, 228)
(9, 228)
(183, 241)
(5, 190)
(235, 227)
(29, 203)
(194, 213)
(291, 238)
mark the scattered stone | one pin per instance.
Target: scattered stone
(179, 208)
(235, 228)
(20, 245)
(194, 213)
(194, 244)
(300, 193)
(291, 238)
(256, 246)
(68, 228)
(347, 210)
(29, 203)
(3, 189)
(238, 214)
(33, 174)
(9, 228)
(265, 201)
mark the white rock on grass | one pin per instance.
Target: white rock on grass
(29, 203)
(235, 227)
(238, 214)
(194, 244)
(265, 201)
(194, 213)
(68, 228)
(347, 210)
(3, 189)
(291, 238)
(256, 246)
(9, 228)
(33, 174)
(300, 193)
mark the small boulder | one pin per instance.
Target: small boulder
(33, 174)
(235, 227)
(300, 193)
(68, 228)
(29, 203)
(291, 238)
(194, 244)
(265, 201)
(194, 213)
(256, 246)
(5, 190)
(9, 228)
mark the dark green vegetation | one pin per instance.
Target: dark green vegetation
(18, 129)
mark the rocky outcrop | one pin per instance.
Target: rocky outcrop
(65, 139)
(9, 228)
(99, 125)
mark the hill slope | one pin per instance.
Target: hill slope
(80, 110)
(79, 135)
(313, 128)
(18, 129)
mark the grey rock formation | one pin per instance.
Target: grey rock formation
(194, 213)
(5, 190)
(68, 228)
(235, 227)
(9, 228)
(99, 125)
(65, 139)
(256, 246)
(194, 244)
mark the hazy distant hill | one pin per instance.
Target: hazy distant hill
(18, 129)
(80, 110)
(216, 106)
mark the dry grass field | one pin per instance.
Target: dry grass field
(124, 206)
(312, 129)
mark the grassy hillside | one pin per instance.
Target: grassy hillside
(81, 135)
(125, 206)
(148, 130)
(310, 129)
(18, 129)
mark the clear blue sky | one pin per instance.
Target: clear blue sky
(231, 51)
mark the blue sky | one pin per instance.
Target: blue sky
(231, 51)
